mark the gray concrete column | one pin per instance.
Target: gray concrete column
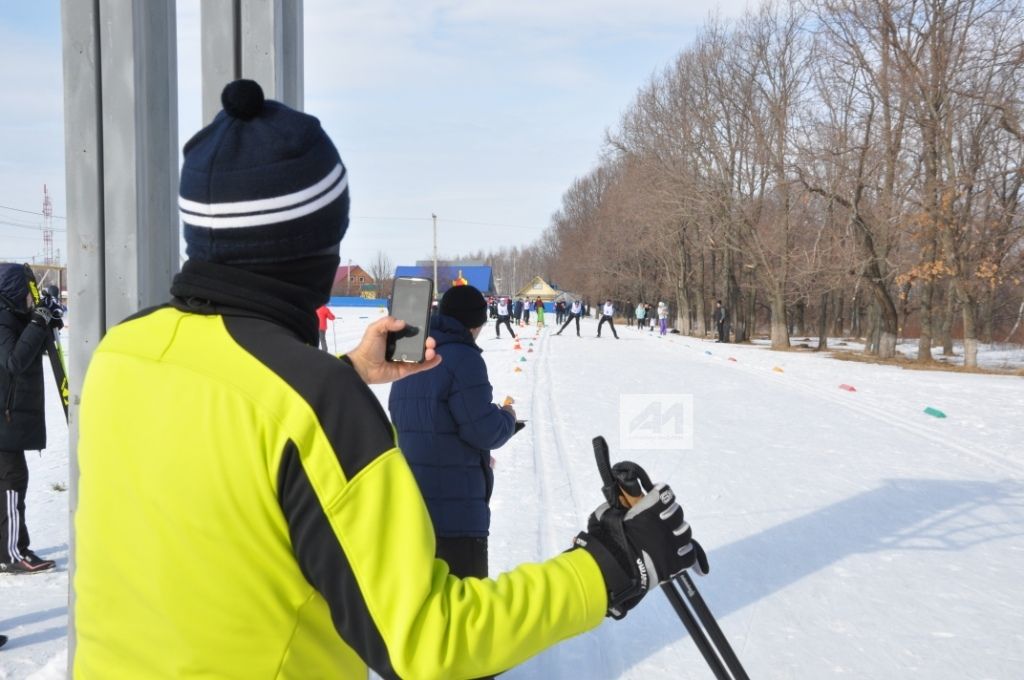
(121, 121)
(256, 39)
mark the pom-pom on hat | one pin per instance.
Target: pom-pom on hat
(466, 304)
(261, 183)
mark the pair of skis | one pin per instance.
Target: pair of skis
(52, 346)
(624, 484)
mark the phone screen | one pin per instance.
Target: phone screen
(410, 301)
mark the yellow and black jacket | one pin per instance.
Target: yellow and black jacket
(244, 513)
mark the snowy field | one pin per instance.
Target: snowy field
(850, 534)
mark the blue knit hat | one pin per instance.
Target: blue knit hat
(261, 183)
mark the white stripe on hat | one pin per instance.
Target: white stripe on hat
(262, 204)
(259, 219)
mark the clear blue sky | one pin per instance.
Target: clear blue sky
(477, 110)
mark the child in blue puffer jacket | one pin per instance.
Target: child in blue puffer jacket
(448, 425)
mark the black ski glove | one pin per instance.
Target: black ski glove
(42, 316)
(642, 547)
(56, 310)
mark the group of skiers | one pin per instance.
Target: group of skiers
(518, 310)
(645, 316)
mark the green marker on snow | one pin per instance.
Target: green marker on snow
(934, 412)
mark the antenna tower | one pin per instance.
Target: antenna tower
(47, 228)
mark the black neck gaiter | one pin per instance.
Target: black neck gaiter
(287, 293)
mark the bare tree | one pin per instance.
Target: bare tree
(383, 273)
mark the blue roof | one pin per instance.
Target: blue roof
(478, 276)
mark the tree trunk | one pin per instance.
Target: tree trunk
(855, 318)
(752, 313)
(733, 297)
(780, 330)
(823, 323)
(988, 308)
(870, 338)
(682, 309)
(947, 323)
(837, 314)
(970, 329)
(887, 321)
(924, 342)
(702, 326)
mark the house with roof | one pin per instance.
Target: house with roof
(452, 274)
(349, 281)
(538, 288)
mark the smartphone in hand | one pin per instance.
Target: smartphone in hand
(411, 299)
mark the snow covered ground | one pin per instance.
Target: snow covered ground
(850, 534)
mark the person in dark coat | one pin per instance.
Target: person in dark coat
(722, 322)
(447, 426)
(23, 330)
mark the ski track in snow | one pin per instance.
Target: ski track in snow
(980, 452)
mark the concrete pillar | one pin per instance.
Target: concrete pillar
(256, 39)
(121, 139)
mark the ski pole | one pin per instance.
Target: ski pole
(633, 482)
(707, 619)
(623, 485)
(53, 348)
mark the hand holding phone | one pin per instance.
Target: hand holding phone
(411, 299)
(368, 358)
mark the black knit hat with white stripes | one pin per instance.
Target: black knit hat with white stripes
(262, 183)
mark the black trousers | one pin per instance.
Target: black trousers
(611, 323)
(466, 556)
(13, 485)
(569, 321)
(723, 331)
(497, 326)
(323, 341)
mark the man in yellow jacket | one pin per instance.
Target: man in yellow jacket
(277, 531)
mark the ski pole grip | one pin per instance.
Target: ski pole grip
(632, 479)
(625, 483)
(610, 489)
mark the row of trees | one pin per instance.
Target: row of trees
(845, 167)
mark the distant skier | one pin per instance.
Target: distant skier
(539, 304)
(629, 314)
(527, 308)
(722, 322)
(640, 312)
(517, 311)
(649, 316)
(663, 317)
(502, 308)
(559, 312)
(606, 316)
(575, 312)
(323, 315)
